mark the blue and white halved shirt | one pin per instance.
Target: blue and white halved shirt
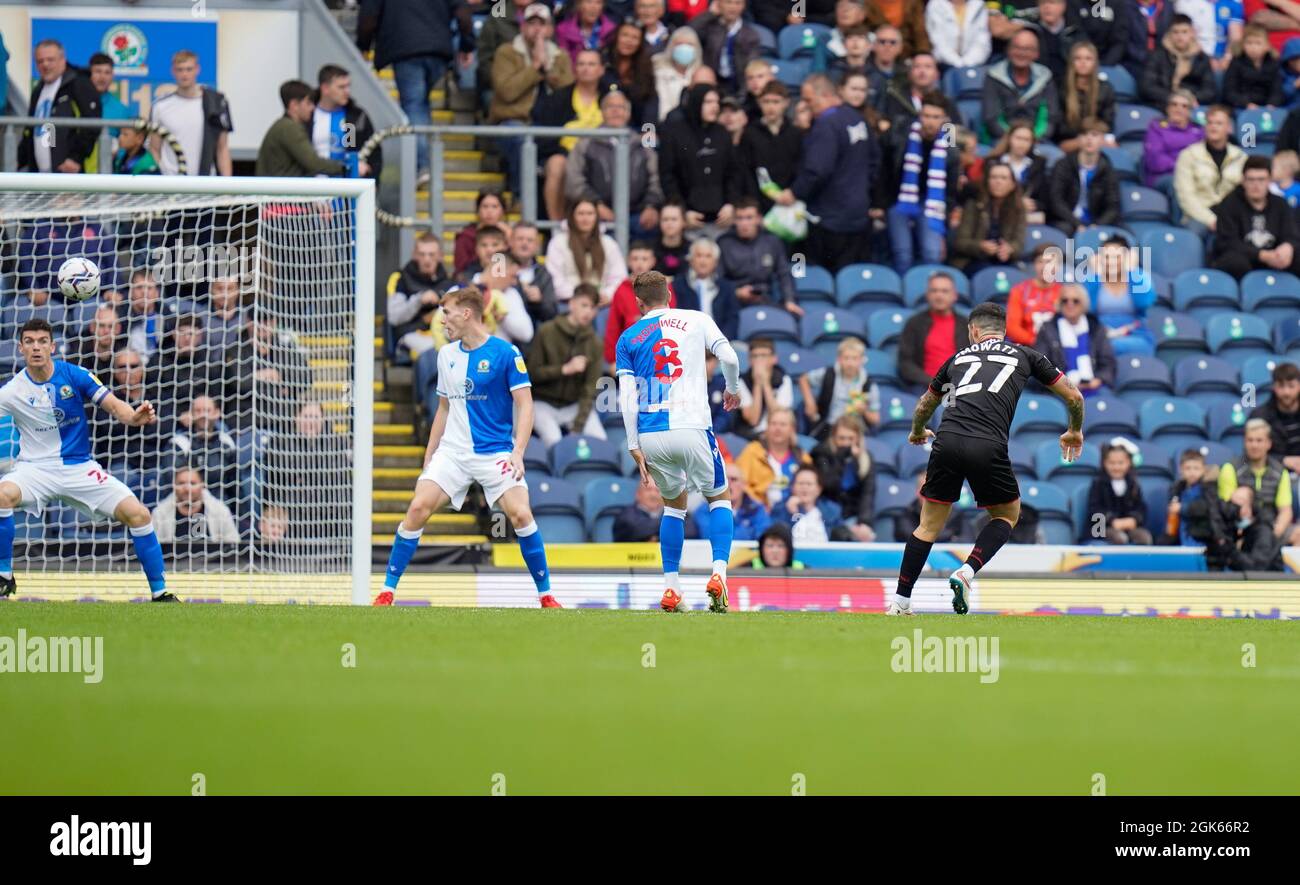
(479, 386)
(51, 415)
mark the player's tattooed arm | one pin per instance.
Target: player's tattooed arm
(925, 407)
(1066, 390)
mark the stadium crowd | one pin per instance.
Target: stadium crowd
(836, 190)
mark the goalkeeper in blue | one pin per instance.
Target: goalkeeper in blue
(483, 392)
(664, 398)
(47, 401)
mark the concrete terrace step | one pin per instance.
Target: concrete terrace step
(388, 522)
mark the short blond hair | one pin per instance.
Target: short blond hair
(850, 345)
(185, 55)
(1257, 424)
(1286, 162)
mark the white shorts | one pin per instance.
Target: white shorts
(87, 486)
(454, 472)
(684, 461)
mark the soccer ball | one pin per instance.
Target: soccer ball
(79, 279)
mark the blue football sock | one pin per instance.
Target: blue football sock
(7, 543)
(149, 552)
(404, 546)
(672, 535)
(722, 528)
(534, 551)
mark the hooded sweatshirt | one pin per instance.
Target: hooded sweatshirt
(1003, 100)
(698, 165)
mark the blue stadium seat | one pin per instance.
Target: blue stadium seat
(10, 358)
(1093, 237)
(792, 40)
(896, 439)
(1177, 335)
(994, 284)
(1039, 234)
(791, 71)
(1143, 374)
(1154, 459)
(558, 507)
(893, 497)
(1109, 414)
(536, 457)
(1266, 122)
(918, 278)
(1132, 120)
(1125, 164)
(881, 367)
(1021, 456)
(1049, 152)
(1053, 506)
(799, 360)
(1202, 292)
(1137, 203)
(896, 408)
(1121, 81)
(885, 326)
(764, 321)
(577, 453)
(1155, 494)
(1039, 412)
(815, 284)
(1228, 424)
(969, 111)
(1261, 149)
(1175, 251)
(1218, 453)
(1270, 295)
(1205, 374)
(1174, 419)
(602, 499)
(1079, 510)
(912, 461)
(1049, 465)
(1258, 370)
(964, 82)
(1232, 330)
(883, 455)
(830, 324)
(1286, 336)
(734, 442)
(766, 39)
(868, 283)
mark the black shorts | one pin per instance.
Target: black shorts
(981, 462)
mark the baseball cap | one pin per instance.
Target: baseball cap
(538, 10)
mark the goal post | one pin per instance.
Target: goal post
(302, 251)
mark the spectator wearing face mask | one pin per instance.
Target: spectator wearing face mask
(674, 69)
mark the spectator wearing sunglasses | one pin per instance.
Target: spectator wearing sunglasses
(1076, 341)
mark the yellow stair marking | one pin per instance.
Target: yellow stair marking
(326, 341)
(341, 406)
(434, 540)
(329, 363)
(393, 520)
(462, 218)
(476, 177)
(341, 386)
(396, 472)
(381, 429)
(399, 451)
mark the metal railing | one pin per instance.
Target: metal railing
(436, 135)
(9, 144)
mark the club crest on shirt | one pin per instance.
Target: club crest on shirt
(484, 366)
(65, 392)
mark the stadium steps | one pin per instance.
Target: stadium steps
(396, 479)
(410, 455)
(383, 543)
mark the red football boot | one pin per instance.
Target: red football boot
(384, 598)
(549, 601)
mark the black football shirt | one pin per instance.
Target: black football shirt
(981, 384)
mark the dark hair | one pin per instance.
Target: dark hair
(293, 90)
(330, 73)
(36, 324)
(1107, 448)
(640, 246)
(1094, 124)
(587, 291)
(747, 203)
(808, 468)
(488, 230)
(856, 31)
(988, 316)
(651, 287)
(775, 87)
(1255, 161)
(486, 192)
(940, 275)
(935, 99)
(1190, 455)
(99, 58)
(1180, 19)
(1285, 372)
(781, 532)
(762, 342)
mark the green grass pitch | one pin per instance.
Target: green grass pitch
(257, 700)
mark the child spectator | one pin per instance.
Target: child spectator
(857, 55)
(765, 388)
(1189, 487)
(133, 157)
(1254, 76)
(849, 14)
(776, 548)
(586, 28)
(1290, 64)
(1032, 302)
(1285, 166)
(771, 142)
(623, 311)
(843, 389)
(1083, 189)
(1118, 498)
(488, 241)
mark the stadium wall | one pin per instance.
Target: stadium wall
(640, 589)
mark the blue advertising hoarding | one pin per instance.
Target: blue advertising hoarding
(141, 50)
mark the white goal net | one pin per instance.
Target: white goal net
(243, 310)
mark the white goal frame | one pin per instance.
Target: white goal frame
(363, 394)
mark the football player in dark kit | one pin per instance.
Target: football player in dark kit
(979, 387)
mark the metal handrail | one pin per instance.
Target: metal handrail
(435, 134)
(105, 139)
